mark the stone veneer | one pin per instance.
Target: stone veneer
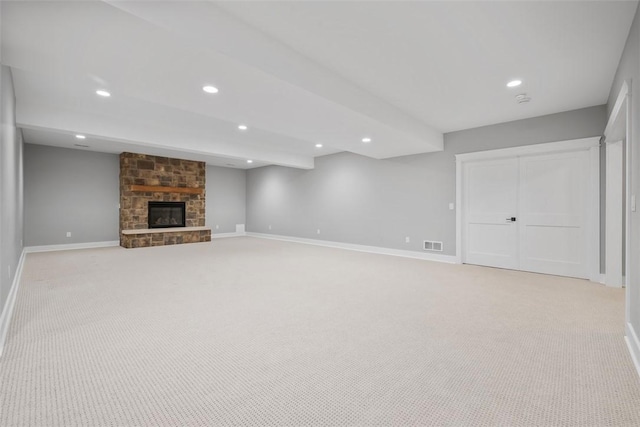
(165, 174)
(142, 239)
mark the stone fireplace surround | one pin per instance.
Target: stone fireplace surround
(145, 178)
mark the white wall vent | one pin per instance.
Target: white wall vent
(430, 245)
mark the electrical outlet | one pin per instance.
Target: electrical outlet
(269, 226)
(9, 271)
(217, 226)
(451, 206)
(407, 239)
(68, 234)
(318, 231)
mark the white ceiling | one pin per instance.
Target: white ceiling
(300, 73)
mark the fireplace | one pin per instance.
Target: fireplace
(166, 214)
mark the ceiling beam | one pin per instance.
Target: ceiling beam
(208, 26)
(148, 136)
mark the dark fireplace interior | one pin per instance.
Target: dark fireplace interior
(166, 214)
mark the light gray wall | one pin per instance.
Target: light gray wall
(629, 69)
(226, 199)
(77, 191)
(70, 190)
(355, 199)
(11, 197)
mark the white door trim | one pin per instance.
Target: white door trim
(527, 150)
(617, 112)
(593, 219)
(613, 214)
(591, 144)
(617, 129)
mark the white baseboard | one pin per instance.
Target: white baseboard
(634, 345)
(224, 235)
(450, 259)
(89, 245)
(7, 311)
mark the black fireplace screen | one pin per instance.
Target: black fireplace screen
(166, 214)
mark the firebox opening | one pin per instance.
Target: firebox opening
(166, 214)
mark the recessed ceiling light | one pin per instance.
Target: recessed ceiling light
(366, 139)
(81, 136)
(514, 83)
(318, 145)
(249, 161)
(242, 127)
(210, 89)
(103, 93)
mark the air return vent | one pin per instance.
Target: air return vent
(430, 245)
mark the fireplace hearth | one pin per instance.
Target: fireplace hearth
(166, 214)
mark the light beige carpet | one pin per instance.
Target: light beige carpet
(247, 331)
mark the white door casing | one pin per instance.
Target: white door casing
(618, 128)
(557, 226)
(614, 214)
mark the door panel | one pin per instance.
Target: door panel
(553, 250)
(492, 245)
(552, 206)
(491, 198)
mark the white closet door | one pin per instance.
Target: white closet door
(528, 213)
(552, 220)
(491, 237)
